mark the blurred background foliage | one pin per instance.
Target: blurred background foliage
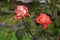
(12, 29)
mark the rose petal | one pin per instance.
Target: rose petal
(27, 14)
(15, 17)
(45, 26)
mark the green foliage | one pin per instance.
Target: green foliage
(19, 34)
(30, 30)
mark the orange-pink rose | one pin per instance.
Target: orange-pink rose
(44, 20)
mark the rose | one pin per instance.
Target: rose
(44, 20)
(21, 11)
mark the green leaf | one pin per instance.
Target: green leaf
(19, 34)
(55, 31)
